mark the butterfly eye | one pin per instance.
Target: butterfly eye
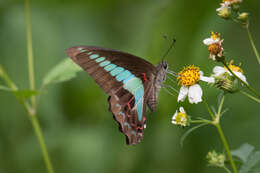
(165, 65)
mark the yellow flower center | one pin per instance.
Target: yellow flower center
(189, 75)
(215, 36)
(181, 119)
(234, 68)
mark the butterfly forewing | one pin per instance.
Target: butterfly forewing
(127, 80)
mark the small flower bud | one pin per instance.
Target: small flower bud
(216, 159)
(224, 12)
(227, 83)
(243, 17)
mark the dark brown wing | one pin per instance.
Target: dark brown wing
(126, 78)
(81, 56)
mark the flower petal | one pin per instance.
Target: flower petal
(208, 41)
(207, 79)
(174, 118)
(218, 70)
(241, 76)
(183, 93)
(182, 110)
(195, 94)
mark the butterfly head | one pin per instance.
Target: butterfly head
(161, 72)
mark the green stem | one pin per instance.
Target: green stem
(253, 44)
(208, 108)
(201, 121)
(228, 171)
(29, 49)
(32, 114)
(40, 137)
(250, 96)
(224, 141)
(8, 81)
(248, 87)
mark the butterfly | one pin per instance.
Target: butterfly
(131, 83)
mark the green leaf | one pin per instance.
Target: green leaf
(4, 88)
(188, 132)
(62, 72)
(20, 93)
(26, 93)
(243, 152)
(252, 161)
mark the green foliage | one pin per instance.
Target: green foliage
(248, 157)
(62, 72)
(20, 93)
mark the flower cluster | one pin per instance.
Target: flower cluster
(221, 77)
(216, 159)
(230, 8)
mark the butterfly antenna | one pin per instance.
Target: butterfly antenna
(169, 49)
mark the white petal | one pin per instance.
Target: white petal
(207, 79)
(174, 117)
(208, 41)
(241, 76)
(195, 94)
(218, 70)
(183, 93)
(182, 110)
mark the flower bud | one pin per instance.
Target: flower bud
(224, 12)
(216, 159)
(243, 17)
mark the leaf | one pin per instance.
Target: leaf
(4, 88)
(26, 93)
(62, 72)
(20, 93)
(186, 134)
(243, 152)
(252, 161)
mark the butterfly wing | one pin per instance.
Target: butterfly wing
(127, 80)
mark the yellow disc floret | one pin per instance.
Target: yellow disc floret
(215, 36)
(189, 76)
(234, 68)
(181, 119)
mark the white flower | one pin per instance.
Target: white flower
(218, 70)
(223, 6)
(180, 117)
(188, 79)
(214, 44)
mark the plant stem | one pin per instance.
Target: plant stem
(32, 112)
(248, 87)
(29, 49)
(250, 96)
(228, 171)
(208, 108)
(224, 141)
(41, 141)
(253, 44)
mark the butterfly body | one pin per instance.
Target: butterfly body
(131, 83)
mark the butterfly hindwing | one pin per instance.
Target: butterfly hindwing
(126, 78)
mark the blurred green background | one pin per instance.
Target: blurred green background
(80, 133)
